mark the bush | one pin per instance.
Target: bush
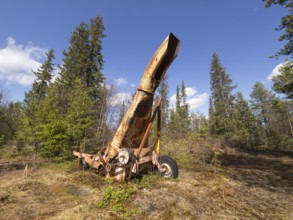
(190, 152)
(114, 197)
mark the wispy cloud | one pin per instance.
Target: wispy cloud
(120, 81)
(120, 98)
(275, 72)
(18, 61)
(194, 99)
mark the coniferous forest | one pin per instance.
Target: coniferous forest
(234, 163)
(73, 111)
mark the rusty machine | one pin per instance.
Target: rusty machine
(129, 154)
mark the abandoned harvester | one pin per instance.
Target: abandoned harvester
(128, 154)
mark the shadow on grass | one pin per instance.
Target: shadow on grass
(270, 173)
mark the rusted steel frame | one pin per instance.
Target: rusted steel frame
(146, 134)
(143, 152)
(159, 124)
(81, 155)
(145, 159)
(89, 159)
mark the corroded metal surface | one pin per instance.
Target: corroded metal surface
(135, 122)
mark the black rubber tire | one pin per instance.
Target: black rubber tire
(170, 164)
(85, 165)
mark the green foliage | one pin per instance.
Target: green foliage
(274, 117)
(199, 124)
(11, 152)
(35, 114)
(147, 181)
(83, 59)
(55, 138)
(11, 114)
(190, 152)
(286, 25)
(261, 104)
(65, 114)
(244, 133)
(114, 197)
(80, 86)
(221, 100)
(283, 83)
(71, 112)
(78, 120)
(179, 123)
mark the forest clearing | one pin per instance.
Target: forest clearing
(88, 140)
(241, 186)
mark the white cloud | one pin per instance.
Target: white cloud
(18, 61)
(194, 100)
(275, 72)
(172, 100)
(198, 101)
(108, 86)
(120, 81)
(190, 91)
(55, 73)
(120, 98)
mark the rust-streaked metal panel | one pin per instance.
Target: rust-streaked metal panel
(135, 121)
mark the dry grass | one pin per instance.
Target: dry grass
(240, 186)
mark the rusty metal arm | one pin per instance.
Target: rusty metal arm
(146, 134)
(131, 130)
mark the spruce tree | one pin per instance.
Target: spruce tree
(179, 117)
(78, 119)
(34, 113)
(83, 59)
(221, 101)
(82, 71)
(178, 99)
(53, 131)
(184, 110)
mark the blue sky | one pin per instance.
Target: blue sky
(241, 32)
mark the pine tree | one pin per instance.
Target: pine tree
(274, 116)
(221, 101)
(261, 103)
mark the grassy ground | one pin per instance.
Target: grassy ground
(236, 186)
